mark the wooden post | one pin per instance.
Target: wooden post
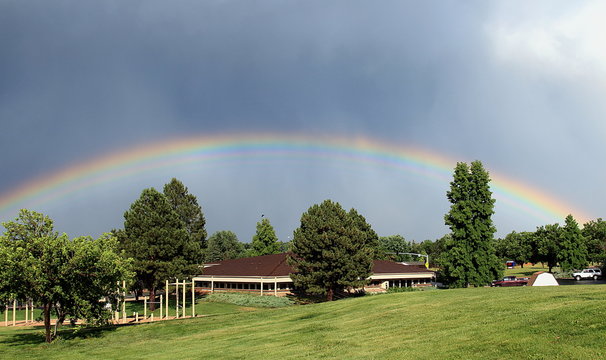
(276, 286)
(152, 317)
(166, 312)
(124, 301)
(184, 293)
(145, 308)
(177, 298)
(193, 299)
(6, 315)
(212, 284)
(14, 312)
(26, 311)
(261, 286)
(161, 306)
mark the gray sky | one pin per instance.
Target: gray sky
(519, 86)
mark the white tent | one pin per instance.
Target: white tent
(542, 278)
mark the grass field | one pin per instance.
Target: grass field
(565, 322)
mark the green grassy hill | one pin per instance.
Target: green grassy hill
(566, 322)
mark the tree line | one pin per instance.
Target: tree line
(164, 237)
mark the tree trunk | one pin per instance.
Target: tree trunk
(47, 325)
(60, 320)
(521, 265)
(330, 294)
(152, 298)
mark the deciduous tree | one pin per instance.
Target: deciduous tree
(594, 232)
(68, 278)
(224, 245)
(391, 247)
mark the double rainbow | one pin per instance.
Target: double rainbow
(187, 150)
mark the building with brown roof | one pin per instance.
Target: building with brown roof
(270, 275)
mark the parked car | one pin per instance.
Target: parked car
(510, 281)
(587, 274)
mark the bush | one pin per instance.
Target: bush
(401, 289)
(249, 300)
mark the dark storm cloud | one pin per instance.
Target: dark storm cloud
(474, 80)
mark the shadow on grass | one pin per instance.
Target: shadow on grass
(36, 335)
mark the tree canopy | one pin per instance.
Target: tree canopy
(158, 241)
(265, 241)
(594, 232)
(332, 250)
(68, 278)
(187, 208)
(470, 257)
(224, 245)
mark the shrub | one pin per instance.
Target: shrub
(249, 300)
(401, 289)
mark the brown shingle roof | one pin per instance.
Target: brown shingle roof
(266, 265)
(276, 265)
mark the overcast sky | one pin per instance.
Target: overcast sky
(518, 85)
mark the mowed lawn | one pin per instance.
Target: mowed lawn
(566, 322)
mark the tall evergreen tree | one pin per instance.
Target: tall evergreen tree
(186, 206)
(332, 250)
(470, 257)
(156, 238)
(572, 252)
(265, 241)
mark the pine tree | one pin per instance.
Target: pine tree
(572, 252)
(332, 250)
(265, 241)
(470, 257)
(186, 206)
(156, 238)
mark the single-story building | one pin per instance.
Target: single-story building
(270, 275)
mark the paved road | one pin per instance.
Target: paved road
(581, 282)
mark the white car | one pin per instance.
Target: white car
(587, 274)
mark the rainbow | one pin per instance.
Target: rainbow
(135, 160)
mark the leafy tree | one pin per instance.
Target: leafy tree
(516, 246)
(470, 258)
(156, 238)
(332, 250)
(224, 245)
(595, 240)
(66, 277)
(572, 252)
(186, 206)
(265, 241)
(546, 240)
(390, 246)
